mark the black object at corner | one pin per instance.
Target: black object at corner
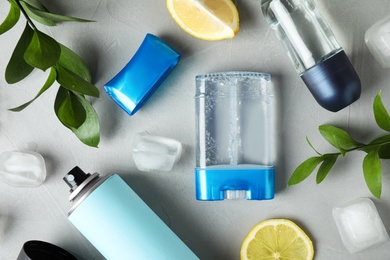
(40, 250)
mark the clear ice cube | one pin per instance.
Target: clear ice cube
(22, 169)
(377, 39)
(155, 153)
(360, 225)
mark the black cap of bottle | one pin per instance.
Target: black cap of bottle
(334, 82)
(75, 177)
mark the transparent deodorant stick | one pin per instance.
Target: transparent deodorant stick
(314, 52)
(234, 136)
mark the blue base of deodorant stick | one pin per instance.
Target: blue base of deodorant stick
(251, 183)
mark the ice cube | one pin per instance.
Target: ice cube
(377, 39)
(155, 152)
(22, 169)
(360, 225)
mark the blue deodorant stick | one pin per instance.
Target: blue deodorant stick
(144, 73)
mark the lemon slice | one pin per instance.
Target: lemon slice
(205, 19)
(277, 239)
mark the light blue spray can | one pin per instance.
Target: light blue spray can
(117, 222)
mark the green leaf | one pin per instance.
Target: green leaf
(382, 143)
(312, 147)
(11, 19)
(381, 140)
(325, 167)
(304, 170)
(62, 94)
(17, 68)
(382, 117)
(43, 51)
(47, 16)
(72, 62)
(69, 110)
(36, 4)
(338, 138)
(49, 82)
(373, 173)
(73, 82)
(89, 131)
(30, 10)
(384, 151)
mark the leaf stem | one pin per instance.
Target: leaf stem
(312, 147)
(30, 22)
(359, 148)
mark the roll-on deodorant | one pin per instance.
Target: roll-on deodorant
(314, 52)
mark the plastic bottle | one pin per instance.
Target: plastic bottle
(235, 144)
(314, 51)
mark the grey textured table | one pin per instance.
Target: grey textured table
(213, 230)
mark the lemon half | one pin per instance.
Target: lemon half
(277, 239)
(206, 19)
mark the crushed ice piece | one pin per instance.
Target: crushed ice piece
(360, 225)
(22, 169)
(155, 153)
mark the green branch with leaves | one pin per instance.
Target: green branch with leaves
(36, 49)
(376, 150)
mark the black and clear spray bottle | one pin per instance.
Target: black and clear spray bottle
(314, 51)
